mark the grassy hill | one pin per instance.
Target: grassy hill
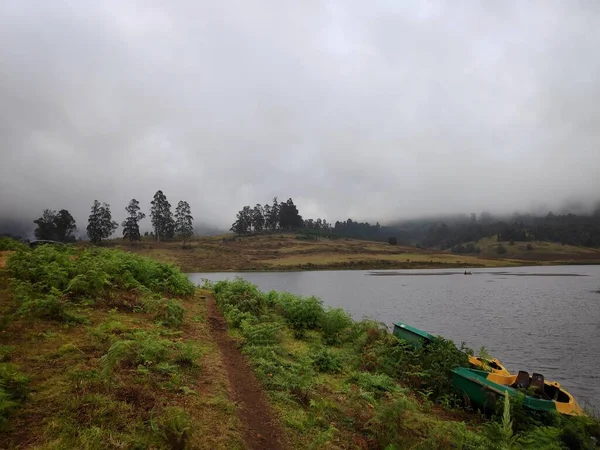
(289, 252)
(103, 349)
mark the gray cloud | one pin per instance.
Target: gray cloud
(381, 111)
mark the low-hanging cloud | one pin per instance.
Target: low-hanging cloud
(376, 111)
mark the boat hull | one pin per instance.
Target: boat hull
(486, 388)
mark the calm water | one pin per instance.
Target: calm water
(543, 319)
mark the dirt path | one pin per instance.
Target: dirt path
(261, 431)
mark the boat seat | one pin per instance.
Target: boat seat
(522, 380)
(537, 383)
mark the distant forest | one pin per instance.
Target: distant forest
(459, 233)
(452, 232)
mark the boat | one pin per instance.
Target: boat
(468, 272)
(488, 365)
(412, 335)
(418, 338)
(485, 388)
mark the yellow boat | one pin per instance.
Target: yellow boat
(489, 365)
(541, 388)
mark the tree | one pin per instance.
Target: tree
(258, 218)
(131, 228)
(273, 217)
(55, 226)
(392, 241)
(46, 229)
(162, 217)
(100, 223)
(289, 217)
(243, 222)
(183, 221)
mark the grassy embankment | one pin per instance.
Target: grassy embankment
(337, 383)
(104, 349)
(287, 252)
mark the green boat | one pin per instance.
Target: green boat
(485, 388)
(412, 335)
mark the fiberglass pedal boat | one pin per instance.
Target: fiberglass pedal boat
(485, 388)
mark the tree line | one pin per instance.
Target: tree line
(60, 226)
(568, 229)
(272, 217)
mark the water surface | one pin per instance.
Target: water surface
(542, 319)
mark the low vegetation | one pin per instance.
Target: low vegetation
(105, 349)
(271, 252)
(338, 383)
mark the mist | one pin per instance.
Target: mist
(381, 111)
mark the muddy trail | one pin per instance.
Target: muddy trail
(261, 431)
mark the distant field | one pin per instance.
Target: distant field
(287, 252)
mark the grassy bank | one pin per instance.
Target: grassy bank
(106, 349)
(342, 384)
(288, 252)
(103, 349)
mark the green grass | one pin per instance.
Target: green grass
(136, 369)
(337, 383)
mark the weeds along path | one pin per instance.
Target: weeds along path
(261, 431)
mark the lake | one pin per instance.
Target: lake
(542, 319)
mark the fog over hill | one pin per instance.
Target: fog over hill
(378, 111)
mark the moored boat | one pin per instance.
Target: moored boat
(418, 338)
(488, 365)
(484, 388)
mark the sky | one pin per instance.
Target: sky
(380, 110)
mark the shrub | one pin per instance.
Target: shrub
(240, 293)
(148, 352)
(376, 384)
(301, 313)
(13, 390)
(333, 322)
(388, 425)
(8, 243)
(261, 333)
(170, 313)
(501, 249)
(187, 354)
(48, 279)
(325, 360)
(235, 317)
(174, 427)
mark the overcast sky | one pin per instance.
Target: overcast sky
(372, 110)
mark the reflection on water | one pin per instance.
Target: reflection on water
(543, 319)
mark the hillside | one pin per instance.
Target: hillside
(102, 349)
(289, 252)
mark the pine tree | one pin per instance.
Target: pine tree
(131, 228)
(162, 217)
(100, 223)
(183, 221)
